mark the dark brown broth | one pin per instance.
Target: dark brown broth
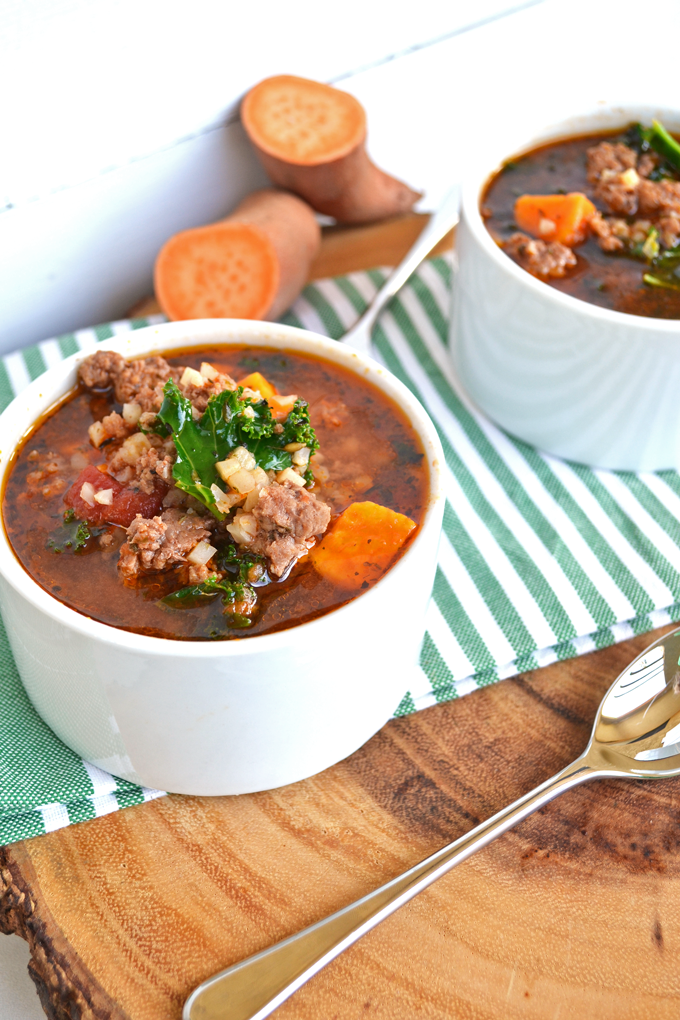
(377, 437)
(609, 280)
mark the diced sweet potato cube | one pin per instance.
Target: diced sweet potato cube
(256, 381)
(361, 545)
(562, 218)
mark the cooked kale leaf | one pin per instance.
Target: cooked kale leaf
(232, 560)
(229, 420)
(196, 594)
(234, 593)
(664, 143)
(72, 534)
(665, 270)
(297, 427)
(642, 139)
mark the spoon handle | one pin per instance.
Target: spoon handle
(443, 220)
(252, 989)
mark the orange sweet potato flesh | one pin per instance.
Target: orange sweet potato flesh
(251, 265)
(562, 218)
(361, 545)
(302, 121)
(256, 381)
(310, 138)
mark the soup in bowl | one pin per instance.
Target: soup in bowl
(219, 542)
(565, 323)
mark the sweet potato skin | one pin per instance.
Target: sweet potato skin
(292, 228)
(351, 189)
(277, 233)
(341, 181)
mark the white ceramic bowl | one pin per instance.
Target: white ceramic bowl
(221, 717)
(573, 379)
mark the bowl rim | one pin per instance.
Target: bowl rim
(149, 340)
(471, 195)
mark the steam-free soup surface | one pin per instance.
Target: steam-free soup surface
(609, 278)
(369, 452)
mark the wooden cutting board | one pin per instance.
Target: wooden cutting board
(574, 914)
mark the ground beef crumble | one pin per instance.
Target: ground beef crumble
(621, 183)
(200, 395)
(100, 370)
(157, 459)
(538, 257)
(611, 169)
(288, 518)
(115, 426)
(659, 197)
(161, 543)
(141, 382)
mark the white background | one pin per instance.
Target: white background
(121, 129)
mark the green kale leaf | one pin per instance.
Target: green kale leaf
(664, 143)
(238, 562)
(642, 139)
(229, 420)
(72, 534)
(233, 594)
(197, 594)
(297, 427)
(198, 447)
(665, 270)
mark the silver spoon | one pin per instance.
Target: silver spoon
(636, 735)
(445, 219)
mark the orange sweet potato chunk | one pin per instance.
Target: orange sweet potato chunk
(361, 545)
(256, 381)
(562, 218)
(224, 270)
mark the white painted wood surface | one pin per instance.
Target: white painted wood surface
(119, 137)
(121, 128)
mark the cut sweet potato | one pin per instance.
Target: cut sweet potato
(562, 218)
(251, 265)
(361, 545)
(311, 138)
(256, 381)
(281, 404)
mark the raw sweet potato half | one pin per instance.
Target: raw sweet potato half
(251, 265)
(311, 139)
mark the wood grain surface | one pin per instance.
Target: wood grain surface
(574, 914)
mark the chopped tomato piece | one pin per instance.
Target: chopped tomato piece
(126, 503)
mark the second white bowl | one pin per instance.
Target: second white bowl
(582, 382)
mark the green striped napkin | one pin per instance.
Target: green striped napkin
(540, 559)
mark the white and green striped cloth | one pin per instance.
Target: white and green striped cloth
(540, 559)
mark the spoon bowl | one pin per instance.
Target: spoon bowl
(638, 722)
